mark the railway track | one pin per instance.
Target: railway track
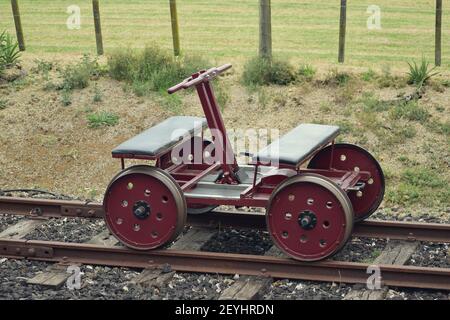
(186, 260)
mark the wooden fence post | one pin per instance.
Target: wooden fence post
(175, 30)
(342, 30)
(18, 23)
(265, 29)
(438, 33)
(98, 27)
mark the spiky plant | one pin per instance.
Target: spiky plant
(9, 49)
(420, 74)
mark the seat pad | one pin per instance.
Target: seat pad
(161, 137)
(298, 144)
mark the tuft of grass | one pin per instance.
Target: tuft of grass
(66, 97)
(97, 94)
(9, 50)
(337, 78)
(102, 119)
(410, 111)
(368, 75)
(420, 74)
(262, 71)
(423, 177)
(372, 103)
(306, 72)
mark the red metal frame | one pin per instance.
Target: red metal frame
(259, 192)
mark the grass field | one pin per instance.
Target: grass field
(228, 30)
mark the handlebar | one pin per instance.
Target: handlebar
(202, 76)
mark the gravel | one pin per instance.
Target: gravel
(115, 283)
(8, 220)
(67, 230)
(361, 250)
(231, 240)
(433, 255)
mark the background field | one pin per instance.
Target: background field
(228, 30)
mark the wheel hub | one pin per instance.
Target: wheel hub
(307, 220)
(141, 210)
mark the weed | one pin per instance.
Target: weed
(410, 111)
(306, 72)
(66, 97)
(43, 66)
(102, 119)
(337, 78)
(420, 74)
(77, 76)
(261, 71)
(97, 94)
(369, 75)
(372, 103)
(263, 98)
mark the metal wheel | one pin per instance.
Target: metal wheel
(309, 217)
(144, 207)
(351, 157)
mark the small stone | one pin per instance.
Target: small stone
(3, 260)
(299, 286)
(236, 277)
(166, 268)
(125, 288)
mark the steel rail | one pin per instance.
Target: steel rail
(40, 208)
(209, 262)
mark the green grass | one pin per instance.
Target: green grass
(229, 29)
(152, 69)
(102, 119)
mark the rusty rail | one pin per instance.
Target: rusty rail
(209, 262)
(35, 208)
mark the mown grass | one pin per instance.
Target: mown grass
(229, 29)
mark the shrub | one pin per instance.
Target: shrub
(77, 76)
(153, 69)
(420, 74)
(102, 119)
(337, 78)
(262, 71)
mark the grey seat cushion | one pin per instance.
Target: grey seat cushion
(298, 144)
(161, 137)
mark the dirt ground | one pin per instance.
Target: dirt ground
(46, 145)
